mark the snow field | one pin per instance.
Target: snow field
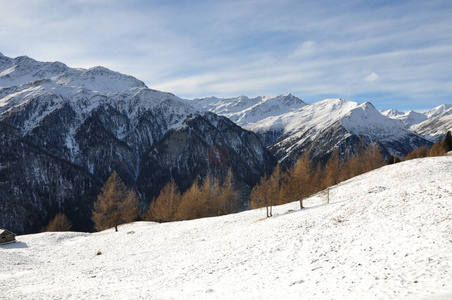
(386, 234)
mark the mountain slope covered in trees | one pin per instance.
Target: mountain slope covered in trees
(384, 235)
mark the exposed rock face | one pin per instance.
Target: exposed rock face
(205, 143)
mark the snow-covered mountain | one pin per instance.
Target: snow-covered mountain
(243, 110)
(408, 118)
(98, 121)
(438, 110)
(288, 126)
(432, 125)
(22, 69)
(332, 124)
(384, 235)
(436, 127)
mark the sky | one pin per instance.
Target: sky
(395, 54)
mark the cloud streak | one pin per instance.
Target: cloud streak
(391, 53)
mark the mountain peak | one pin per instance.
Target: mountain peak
(368, 105)
(438, 110)
(24, 58)
(287, 95)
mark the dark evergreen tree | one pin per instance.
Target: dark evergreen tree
(448, 142)
(391, 160)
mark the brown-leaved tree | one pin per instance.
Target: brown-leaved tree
(59, 223)
(115, 205)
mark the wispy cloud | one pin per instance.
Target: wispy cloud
(395, 53)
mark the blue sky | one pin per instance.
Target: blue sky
(395, 54)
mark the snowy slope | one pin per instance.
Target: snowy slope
(243, 110)
(386, 234)
(408, 118)
(365, 120)
(288, 126)
(331, 122)
(23, 69)
(438, 110)
(360, 119)
(32, 92)
(314, 116)
(437, 126)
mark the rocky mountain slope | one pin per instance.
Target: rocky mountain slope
(98, 120)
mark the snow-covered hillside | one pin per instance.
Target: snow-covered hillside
(386, 234)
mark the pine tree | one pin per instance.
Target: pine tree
(300, 181)
(348, 166)
(332, 170)
(59, 223)
(266, 193)
(191, 204)
(391, 160)
(210, 193)
(115, 205)
(259, 195)
(448, 142)
(228, 200)
(355, 163)
(130, 208)
(418, 153)
(164, 208)
(438, 149)
(372, 158)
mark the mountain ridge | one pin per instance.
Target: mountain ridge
(291, 129)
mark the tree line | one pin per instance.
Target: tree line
(306, 178)
(438, 149)
(207, 199)
(116, 204)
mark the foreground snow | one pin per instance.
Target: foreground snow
(386, 234)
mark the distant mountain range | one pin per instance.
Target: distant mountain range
(288, 126)
(64, 130)
(432, 125)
